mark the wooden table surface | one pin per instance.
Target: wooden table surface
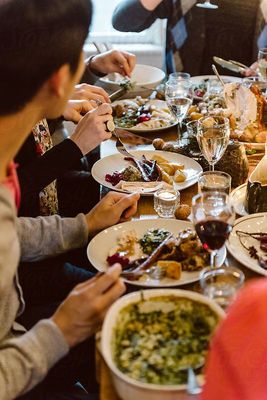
(145, 210)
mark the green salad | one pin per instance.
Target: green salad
(156, 340)
(152, 239)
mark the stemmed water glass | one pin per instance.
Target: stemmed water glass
(179, 95)
(207, 4)
(262, 63)
(213, 137)
(213, 217)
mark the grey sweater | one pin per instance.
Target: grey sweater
(26, 357)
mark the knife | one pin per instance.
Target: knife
(230, 65)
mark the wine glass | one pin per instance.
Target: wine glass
(213, 217)
(262, 63)
(179, 95)
(207, 4)
(213, 137)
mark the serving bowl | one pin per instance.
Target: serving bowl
(126, 387)
(144, 77)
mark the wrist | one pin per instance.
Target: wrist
(93, 67)
(150, 5)
(67, 331)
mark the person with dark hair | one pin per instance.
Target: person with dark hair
(43, 88)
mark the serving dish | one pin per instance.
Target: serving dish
(143, 77)
(98, 257)
(127, 387)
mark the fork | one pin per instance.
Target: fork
(119, 145)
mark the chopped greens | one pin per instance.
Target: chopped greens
(156, 340)
(151, 239)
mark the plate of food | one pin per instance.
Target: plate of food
(148, 172)
(142, 115)
(248, 242)
(147, 355)
(170, 248)
(237, 198)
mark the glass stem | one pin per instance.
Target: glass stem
(179, 132)
(213, 259)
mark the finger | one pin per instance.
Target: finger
(131, 58)
(100, 92)
(104, 109)
(96, 97)
(112, 272)
(86, 106)
(105, 282)
(113, 293)
(130, 211)
(122, 61)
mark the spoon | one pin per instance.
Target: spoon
(193, 386)
(217, 74)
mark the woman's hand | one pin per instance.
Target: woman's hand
(113, 208)
(113, 61)
(76, 109)
(90, 92)
(92, 130)
(83, 311)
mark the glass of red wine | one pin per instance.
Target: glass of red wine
(213, 217)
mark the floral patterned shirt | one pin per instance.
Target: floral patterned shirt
(48, 196)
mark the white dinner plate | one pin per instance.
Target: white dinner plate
(254, 223)
(99, 247)
(116, 162)
(158, 104)
(237, 197)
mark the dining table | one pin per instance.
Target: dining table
(146, 211)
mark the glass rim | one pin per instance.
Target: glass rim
(186, 82)
(218, 125)
(222, 173)
(209, 193)
(211, 272)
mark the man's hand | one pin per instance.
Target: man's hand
(76, 109)
(113, 208)
(113, 61)
(90, 92)
(83, 311)
(91, 130)
(252, 70)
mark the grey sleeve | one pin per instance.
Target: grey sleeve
(44, 237)
(88, 76)
(25, 360)
(131, 16)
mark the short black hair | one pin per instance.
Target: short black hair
(36, 38)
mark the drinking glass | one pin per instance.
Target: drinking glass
(179, 95)
(166, 201)
(221, 284)
(213, 217)
(207, 4)
(215, 181)
(213, 137)
(179, 76)
(262, 63)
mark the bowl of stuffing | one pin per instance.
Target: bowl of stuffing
(151, 338)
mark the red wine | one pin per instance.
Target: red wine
(213, 233)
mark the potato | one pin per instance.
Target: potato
(179, 176)
(195, 116)
(165, 177)
(173, 269)
(247, 136)
(159, 159)
(158, 143)
(168, 168)
(192, 109)
(261, 137)
(177, 166)
(182, 211)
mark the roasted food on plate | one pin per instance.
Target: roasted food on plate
(166, 255)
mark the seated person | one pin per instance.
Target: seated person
(42, 88)
(236, 367)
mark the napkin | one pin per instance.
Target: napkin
(237, 363)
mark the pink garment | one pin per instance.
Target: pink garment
(11, 182)
(237, 363)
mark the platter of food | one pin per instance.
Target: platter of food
(248, 242)
(244, 105)
(167, 252)
(146, 354)
(147, 172)
(142, 115)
